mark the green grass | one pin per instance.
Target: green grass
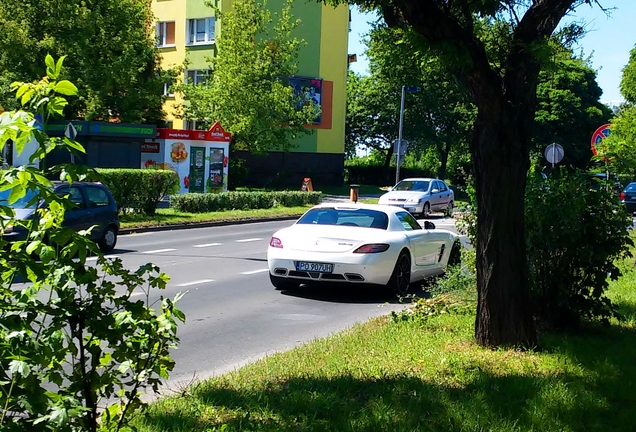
(425, 375)
(173, 217)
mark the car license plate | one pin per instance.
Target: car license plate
(314, 267)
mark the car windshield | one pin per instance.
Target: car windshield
(22, 203)
(365, 218)
(412, 185)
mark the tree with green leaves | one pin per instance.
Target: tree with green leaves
(111, 52)
(619, 148)
(248, 91)
(438, 115)
(569, 108)
(501, 70)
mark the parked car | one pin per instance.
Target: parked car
(421, 196)
(359, 244)
(94, 205)
(605, 181)
(628, 197)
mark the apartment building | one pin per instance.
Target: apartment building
(187, 29)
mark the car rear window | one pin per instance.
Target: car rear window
(631, 187)
(345, 217)
(97, 197)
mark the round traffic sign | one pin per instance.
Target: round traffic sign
(554, 153)
(598, 136)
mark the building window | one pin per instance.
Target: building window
(197, 76)
(165, 34)
(190, 125)
(200, 31)
(168, 89)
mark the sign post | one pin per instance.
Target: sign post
(405, 89)
(554, 153)
(70, 132)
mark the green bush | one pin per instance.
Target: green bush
(575, 234)
(202, 203)
(138, 190)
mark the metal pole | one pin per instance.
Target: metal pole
(399, 142)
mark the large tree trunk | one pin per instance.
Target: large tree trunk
(504, 90)
(501, 160)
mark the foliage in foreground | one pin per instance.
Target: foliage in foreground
(77, 350)
(424, 375)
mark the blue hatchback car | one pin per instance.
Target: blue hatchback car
(94, 205)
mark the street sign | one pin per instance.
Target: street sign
(400, 149)
(411, 89)
(598, 136)
(554, 153)
(70, 131)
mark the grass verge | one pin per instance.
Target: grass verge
(424, 374)
(171, 216)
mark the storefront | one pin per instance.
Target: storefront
(200, 158)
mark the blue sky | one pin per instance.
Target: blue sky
(608, 41)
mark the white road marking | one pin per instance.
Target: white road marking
(94, 258)
(255, 271)
(207, 245)
(197, 282)
(158, 251)
(249, 240)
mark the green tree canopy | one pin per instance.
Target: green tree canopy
(248, 91)
(569, 108)
(440, 114)
(111, 54)
(619, 148)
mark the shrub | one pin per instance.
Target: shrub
(138, 190)
(574, 235)
(76, 349)
(202, 203)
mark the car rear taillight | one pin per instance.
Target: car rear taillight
(276, 243)
(372, 248)
(622, 196)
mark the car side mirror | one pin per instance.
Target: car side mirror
(435, 191)
(429, 225)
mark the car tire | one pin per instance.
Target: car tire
(426, 210)
(401, 276)
(449, 209)
(109, 239)
(455, 257)
(283, 283)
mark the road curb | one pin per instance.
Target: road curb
(124, 231)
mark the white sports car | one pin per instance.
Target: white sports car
(359, 244)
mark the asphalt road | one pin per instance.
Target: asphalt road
(234, 315)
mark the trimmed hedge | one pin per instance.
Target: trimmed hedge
(207, 202)
(138, 190)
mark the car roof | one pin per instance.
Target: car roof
(419, 179)
(354, 206)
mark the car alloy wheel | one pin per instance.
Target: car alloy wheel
(426, 211)
(449, 209)
(401, 276)
(109, 239)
